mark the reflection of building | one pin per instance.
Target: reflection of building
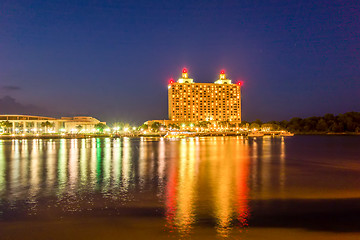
(30, 124)
(193, 102)
(213, 174)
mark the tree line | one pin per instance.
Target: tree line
(347, 122)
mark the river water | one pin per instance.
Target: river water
(301, 187)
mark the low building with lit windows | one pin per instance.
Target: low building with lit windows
(38, 124)
(190, 102)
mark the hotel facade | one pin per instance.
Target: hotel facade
(191, 102)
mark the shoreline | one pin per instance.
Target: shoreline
(330, 133)
(83, 136)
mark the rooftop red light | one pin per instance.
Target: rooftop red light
(184, 70)
(222, 72)
(171, 81)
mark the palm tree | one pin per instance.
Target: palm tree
(79, 128)
(174, 126)
(204, 124)
(143, 127)
(100, 127)
(47, 125)
(6, 125)
(155, 126)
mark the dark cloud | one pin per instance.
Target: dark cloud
(9, 105)
(11, 88)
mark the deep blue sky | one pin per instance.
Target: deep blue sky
(113, 59)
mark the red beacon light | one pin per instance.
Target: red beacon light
(222, 72)
(240, 83)
(171, 81)
(184, 70)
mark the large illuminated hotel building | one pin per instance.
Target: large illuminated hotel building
(195, 102)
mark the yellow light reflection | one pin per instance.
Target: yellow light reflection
(180, 190)
(126, 167)
(265, 166)
(161, 164)
(143, 158)
(220, 168)
(228, 175)
(186, 189)
(83, 162)
(14, 166)
(171, 188)
(116, 169)
(282, 166)
(50, 163)
(24, 164)
(254, 167)
(93, 162)
(107, 164)
(62, 169)
(2, 168)
(73, 165)
(35, 159)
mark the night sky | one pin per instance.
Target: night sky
(113, 59)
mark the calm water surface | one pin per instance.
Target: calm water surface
(197, 188)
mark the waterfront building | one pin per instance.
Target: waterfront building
(38, 124)
(191, 102)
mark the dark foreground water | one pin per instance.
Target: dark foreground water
(302, 187)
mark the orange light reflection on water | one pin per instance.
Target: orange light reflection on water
(225, 178)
